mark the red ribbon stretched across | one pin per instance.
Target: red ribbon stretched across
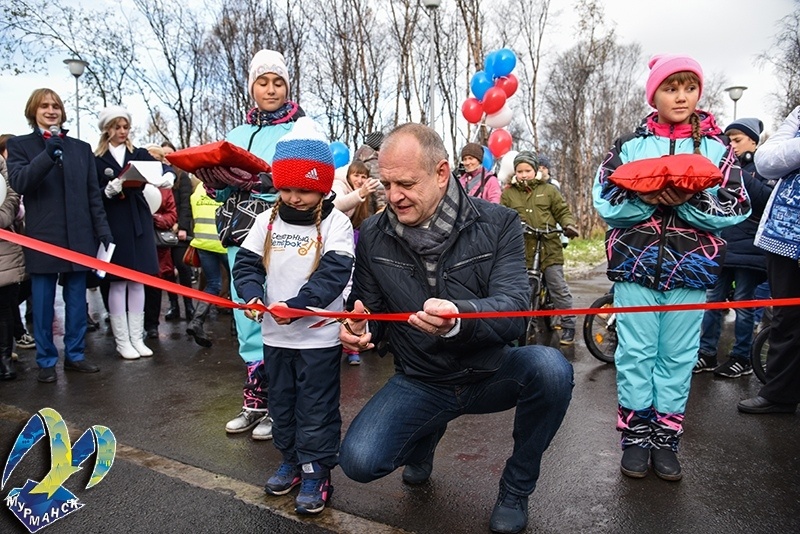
(291, 313)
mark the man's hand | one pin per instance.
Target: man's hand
(254, 315)
(571, 232)
(360, 339)
(54, 147)
(429, 321)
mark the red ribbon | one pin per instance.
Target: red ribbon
(292, 313)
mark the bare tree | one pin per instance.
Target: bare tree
(32, 32)
(523, 24)
(591, 98)
(784, 57)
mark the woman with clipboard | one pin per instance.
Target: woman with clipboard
(131, 225)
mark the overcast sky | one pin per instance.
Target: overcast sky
(725, 36)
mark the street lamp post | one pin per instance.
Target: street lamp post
(735, 92)
(431, 6)
(76, 68)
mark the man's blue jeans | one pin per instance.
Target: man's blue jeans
(212, 264)
(402, 423)
(43, 293)
(746, 282)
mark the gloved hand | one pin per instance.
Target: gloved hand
(113, 188)
(571, 232)
(206, 175)
(236, 177)
(106, 240)
(54, 146)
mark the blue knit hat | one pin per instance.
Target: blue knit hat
(751, 127)
(303, 159)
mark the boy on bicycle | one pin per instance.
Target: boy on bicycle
(540, 205)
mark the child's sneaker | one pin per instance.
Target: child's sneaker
(285, 478)
(353, 358)
(705, 362)
(314, 492)
(734, 368)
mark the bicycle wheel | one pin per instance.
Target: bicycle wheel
(758, 355)
(530, 336)
(600, 330)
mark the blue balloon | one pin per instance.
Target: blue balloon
(488, 64)
(504, 62)
(341, 154)
(488, 159)
(480, 84)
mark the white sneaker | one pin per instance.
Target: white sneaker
(263, 430)
(246, 420)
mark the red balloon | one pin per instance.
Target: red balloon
(499, 142)
(494, 100)
(472, 110)
(508, 84)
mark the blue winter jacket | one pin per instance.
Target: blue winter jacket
(664, 247)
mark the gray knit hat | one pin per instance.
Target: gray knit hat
(374, 140)
(751, 127)
(526, 156)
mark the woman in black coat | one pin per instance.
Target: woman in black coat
(131, 225)
(58, 178)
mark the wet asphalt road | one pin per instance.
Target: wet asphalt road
(177, 471)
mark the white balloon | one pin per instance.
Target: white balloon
(153, 197)
(501, 119)
(506, 170)
(2, 190)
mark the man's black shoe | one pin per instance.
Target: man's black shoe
(82, 366)
(416, 474)
(47, 374)
(759, 405)
(172, 313)
(635, 461)
(666, 464)
(152, 333)
(510, 514)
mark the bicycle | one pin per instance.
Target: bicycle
(758, 354)
(540, 296)
(600, 330)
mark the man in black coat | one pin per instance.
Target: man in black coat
(437, 250)
(58, 179)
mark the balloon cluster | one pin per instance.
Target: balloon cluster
(492, 87)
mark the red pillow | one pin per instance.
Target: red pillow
(219, 154)
(690, 173)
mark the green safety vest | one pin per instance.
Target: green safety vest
(204, 211)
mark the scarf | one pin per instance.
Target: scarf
(288, 112)
(429, 242)
(291, 215)
(473, 179)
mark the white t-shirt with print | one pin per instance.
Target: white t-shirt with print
(290, 263)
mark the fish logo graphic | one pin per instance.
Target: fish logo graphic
(40, 504)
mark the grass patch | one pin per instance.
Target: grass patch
(584, 254)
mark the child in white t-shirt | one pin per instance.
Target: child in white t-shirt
(303, 249)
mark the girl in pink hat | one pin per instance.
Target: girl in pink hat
(663, 248)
